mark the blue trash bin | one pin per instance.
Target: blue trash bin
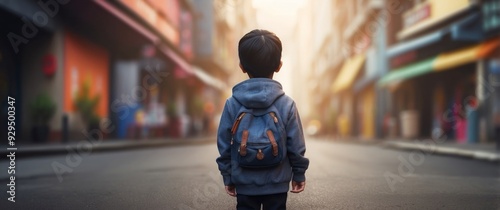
(472, 125)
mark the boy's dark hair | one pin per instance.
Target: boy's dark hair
(260, 53)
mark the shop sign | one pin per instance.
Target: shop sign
(148, 51)
(403, 59)
(491, 15)
(417, 15)
(186, 34)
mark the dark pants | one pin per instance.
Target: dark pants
(268, 202)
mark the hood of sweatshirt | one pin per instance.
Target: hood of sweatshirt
(257, 93)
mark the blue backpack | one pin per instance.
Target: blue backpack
(258, 138)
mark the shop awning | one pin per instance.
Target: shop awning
(348, 72)
(181, 63)
(208, 79)
(416, 43)
(129, 21)
(407, 72)
(448, 60)
(442, 62)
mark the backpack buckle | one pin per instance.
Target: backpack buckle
(260, 155)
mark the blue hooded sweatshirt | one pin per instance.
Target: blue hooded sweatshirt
(260, 93)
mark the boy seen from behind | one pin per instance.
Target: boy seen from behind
(260, 138)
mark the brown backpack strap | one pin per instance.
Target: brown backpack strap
(243, 146)
(237, 123)
(273, 115)
(273, 142)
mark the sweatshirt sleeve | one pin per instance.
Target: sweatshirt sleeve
(296, 146)
(224, 145)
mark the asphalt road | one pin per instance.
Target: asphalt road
(341, 176)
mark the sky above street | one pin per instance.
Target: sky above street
(280, 17)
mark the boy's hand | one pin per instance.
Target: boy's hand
(231, 190)
(298, 186)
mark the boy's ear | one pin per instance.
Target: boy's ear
(242, 69)
(279, 67)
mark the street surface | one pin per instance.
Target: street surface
(341, 176)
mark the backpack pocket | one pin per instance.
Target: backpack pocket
(265, 146)
(259, 155)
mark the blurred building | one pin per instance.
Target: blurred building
(148, 69)
(217, 31)
(443, 59)
(300, 56)
(405, 69)
(364, 38)
(160, 79)
(348, 48)
(245, 22)
(324, 58)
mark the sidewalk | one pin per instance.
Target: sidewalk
(485, 152)
(480, 151)
(105, 145)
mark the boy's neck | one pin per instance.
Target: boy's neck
(269, 77)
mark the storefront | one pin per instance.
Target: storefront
(365, 112)
(365, 92)
(152, 96)
(438, 70)
(490, 10)
(31, 68)
(442, 92)
(492, 121)
(86, 64)
(341, 88)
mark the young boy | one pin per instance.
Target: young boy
(260, 57)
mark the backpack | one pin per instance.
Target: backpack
(258, 138)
